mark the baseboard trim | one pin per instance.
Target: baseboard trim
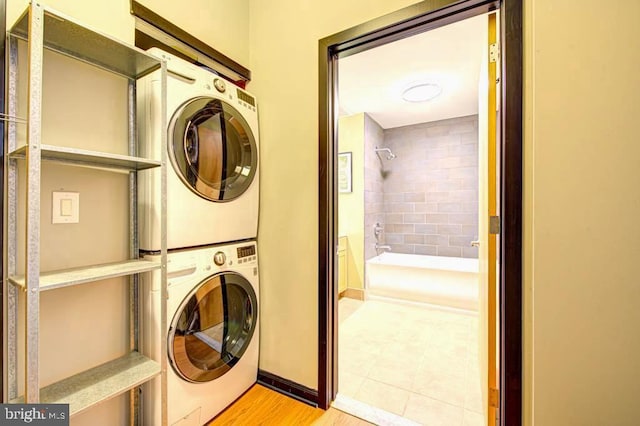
(289, 388)
(353, 293)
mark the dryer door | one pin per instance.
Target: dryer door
(213, 327)
(212, 149)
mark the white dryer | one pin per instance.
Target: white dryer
(212, 331)
(212, 144)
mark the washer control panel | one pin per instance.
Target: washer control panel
(240, 254)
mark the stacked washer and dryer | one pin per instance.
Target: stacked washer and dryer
(212, 221)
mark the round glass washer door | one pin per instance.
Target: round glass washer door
(212, 149)
(213, 327)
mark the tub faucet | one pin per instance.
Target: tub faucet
(383, 247)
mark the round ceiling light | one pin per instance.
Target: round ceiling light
(422, 92)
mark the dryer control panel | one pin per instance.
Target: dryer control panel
(246, 253)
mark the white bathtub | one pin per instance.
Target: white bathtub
(445, 281)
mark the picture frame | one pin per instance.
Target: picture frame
(344, 173)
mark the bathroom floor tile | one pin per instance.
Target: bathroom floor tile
(346, 307)
(365, 342)
(472, 419)
(473, 394)
(446, 349)
(355, 362)
(349, 383)
(395, 371)
(405, 354)
(411, 361)
(381, 395)
(445, 363)
(431, 412)
(473, 388)
(438, 385)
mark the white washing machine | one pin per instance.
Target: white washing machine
(212, 144)
(212, 335)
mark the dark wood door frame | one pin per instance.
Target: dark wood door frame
(404, 23)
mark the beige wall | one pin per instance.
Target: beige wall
(284, 52)
(351, 204)
(222, 24)
(582, 157)
(110, 17)
(580, 219)
(581, 192)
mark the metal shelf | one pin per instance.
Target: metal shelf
(100, 383)
(64, 35)
(44, 28)
(88, 158)
(74, 276)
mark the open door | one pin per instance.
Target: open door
(488, 225)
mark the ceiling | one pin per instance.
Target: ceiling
(373, 81)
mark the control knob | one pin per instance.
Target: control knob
(219, 258)
(220, 85)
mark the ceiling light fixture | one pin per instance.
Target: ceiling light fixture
(422, 92)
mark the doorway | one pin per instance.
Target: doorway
(416, 19)
(408, 220)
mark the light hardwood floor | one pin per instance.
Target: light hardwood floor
(263, 406)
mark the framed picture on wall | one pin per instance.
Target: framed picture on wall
(344, 172)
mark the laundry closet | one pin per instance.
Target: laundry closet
(131, 260)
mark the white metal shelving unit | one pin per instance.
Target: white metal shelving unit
(43, 28)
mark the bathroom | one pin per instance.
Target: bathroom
(408, 253)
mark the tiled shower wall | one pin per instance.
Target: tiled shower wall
(431, 188)
(373, 185)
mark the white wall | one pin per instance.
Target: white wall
(582, 159)
(284, 63)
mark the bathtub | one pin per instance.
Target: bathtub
(450, 282)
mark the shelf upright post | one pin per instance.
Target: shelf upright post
(163, 243)
(32, 246)
(11, 291)
(134, 296)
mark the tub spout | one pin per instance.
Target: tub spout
(383, 247)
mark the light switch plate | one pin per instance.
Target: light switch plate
(65, 207)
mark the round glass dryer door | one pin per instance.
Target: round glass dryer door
(212, 149)
(213, 327)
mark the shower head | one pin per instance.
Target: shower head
(390, 155)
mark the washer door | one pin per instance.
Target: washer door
(212, 149)
(213, 327)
